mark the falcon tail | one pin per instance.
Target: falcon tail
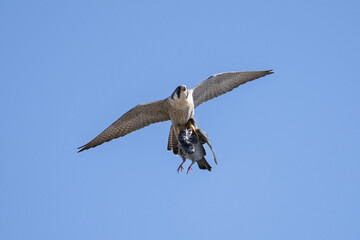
(203, 164)
(173, 142)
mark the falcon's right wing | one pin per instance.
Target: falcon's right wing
(138, 117)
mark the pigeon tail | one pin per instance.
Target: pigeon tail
(203, 164)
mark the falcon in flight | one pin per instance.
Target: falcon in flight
(178, 108)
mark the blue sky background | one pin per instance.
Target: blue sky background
(287, 144)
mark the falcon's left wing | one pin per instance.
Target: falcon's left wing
(221, 83)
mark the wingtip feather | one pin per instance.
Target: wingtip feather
(82, 148)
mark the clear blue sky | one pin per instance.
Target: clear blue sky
(287, 144)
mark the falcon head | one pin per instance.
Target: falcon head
(180, 92)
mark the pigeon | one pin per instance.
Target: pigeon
(190, 144)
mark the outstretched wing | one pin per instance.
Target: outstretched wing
(138, 117)
(221, 83)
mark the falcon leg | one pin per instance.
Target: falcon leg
(189, 169)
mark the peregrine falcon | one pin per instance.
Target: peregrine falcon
(190, 142)
(178, 108)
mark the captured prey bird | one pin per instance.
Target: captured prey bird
(191, 141)
(178, 108)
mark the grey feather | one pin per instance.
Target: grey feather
(203, 138)
(221, 83)
(191, 146)
(138, 117)
(203, 164)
